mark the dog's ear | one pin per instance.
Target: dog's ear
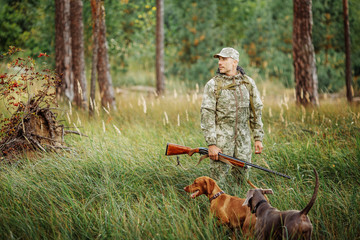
(249, 195)
(210, 184)
(267, 191)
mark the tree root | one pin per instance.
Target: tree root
(35, 129)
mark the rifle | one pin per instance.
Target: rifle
(174, 149)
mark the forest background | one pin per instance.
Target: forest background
(194, 30)
(116, 182)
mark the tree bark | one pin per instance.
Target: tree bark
(95, 6)
(63, 48)
(59, 44)
(348, 79)
(304, 55)
(160, 79)
(78, 59)
(104, 78)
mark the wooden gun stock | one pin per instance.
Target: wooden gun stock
(174, 149)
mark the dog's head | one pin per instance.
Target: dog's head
(201, 185)
(254, 196)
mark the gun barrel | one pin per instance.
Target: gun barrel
(254, 165)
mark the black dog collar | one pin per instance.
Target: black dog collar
(258, 205)
(216, 195)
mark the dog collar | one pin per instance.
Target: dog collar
(216, 195)
(258, 205)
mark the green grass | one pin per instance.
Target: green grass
(120, 185)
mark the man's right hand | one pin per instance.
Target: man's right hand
(214, 152)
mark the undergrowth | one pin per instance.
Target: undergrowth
(117, 183)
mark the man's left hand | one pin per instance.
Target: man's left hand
(258, 147)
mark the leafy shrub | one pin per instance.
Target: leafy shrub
(28, 95)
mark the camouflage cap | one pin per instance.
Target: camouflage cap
(228, 52)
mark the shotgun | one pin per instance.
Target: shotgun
(174, 149)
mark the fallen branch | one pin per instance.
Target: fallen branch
(75, 132)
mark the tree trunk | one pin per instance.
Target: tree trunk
(160, 80)
(304, 55)
(349, 88)
(59, 44)
(95, 7)
(63, 48)
(78, 59)
(104, 78)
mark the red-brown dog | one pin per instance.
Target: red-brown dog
(228, 209)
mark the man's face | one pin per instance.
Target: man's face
(227, 65)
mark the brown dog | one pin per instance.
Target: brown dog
(228, 209)
(274, 224)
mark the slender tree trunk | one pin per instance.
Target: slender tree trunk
(78, 59)
(304, 55)
(95, 6)
(104, 78)
(68, 74)
(63, 48)
(160, 79)
(349, 88)
(59, 44)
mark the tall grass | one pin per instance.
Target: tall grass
(117, 184)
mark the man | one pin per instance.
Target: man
(230, 108)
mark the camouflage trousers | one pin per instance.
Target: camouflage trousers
(228, 176)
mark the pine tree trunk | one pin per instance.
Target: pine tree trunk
(78, 59)
(304, 55)
(63, 48)
(95, 7)
(349, 88)
(104, 78)
(59, 43)
(160, 80)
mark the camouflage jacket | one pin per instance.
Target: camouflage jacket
(218, 111)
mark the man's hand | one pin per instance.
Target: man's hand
(258, 147)
(214, 152)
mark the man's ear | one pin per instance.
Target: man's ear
(267, 191)
(249, 195)
(235, 63)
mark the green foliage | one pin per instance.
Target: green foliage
(268, 41)
(16, 20)
(354, 11)
(194, 40)
(330, 66)
(328, 40)
(27, 24)
(194, 31)
(132, 35)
